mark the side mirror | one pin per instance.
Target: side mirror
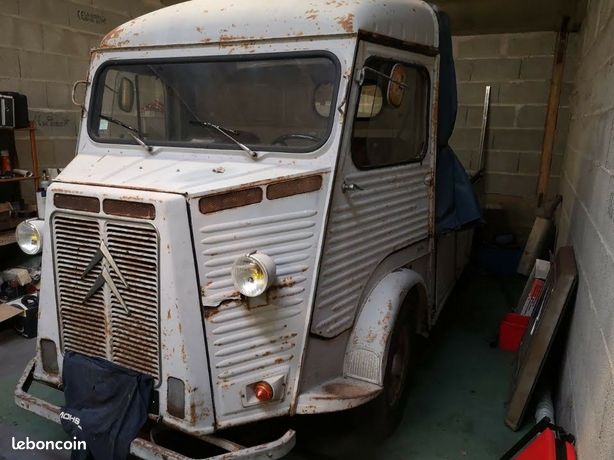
(125, 95)
(77, 96)
(397, 85)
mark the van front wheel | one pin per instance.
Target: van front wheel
(388, 407)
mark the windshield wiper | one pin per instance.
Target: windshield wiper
(196, 121)
(226, 132)
(134, 133)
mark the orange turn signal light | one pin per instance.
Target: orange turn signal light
(263, 391)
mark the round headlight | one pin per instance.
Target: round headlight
(29, 234)
(252, 274)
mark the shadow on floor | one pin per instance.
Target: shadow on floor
(455, 407)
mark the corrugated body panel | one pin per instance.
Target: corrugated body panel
(249, 338)
(364, 227)
(100, 326)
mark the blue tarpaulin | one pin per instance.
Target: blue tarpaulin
(456, 205)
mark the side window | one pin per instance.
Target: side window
(390, 127)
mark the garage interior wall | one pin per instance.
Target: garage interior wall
(518, 67)
(586, 400)
(44, 49)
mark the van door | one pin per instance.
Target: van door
(383, 198)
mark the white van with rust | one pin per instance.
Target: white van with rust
(250, 218)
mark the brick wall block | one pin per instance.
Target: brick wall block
(55, 123)
(478, 46)
(19, 33)
(536, 68)
(41, 66)
(59, 96)
(9, 6)
(473, 93)
(65, 41)
(501, 161)
(499, 116)
(489, 70)
(531, 44)
(532, 116)
(49, 11)
(9, 62)
(524, 92)
(511, 184)
(516, 139)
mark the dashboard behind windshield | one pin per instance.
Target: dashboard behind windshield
(280, 103)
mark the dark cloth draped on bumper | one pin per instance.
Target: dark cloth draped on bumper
(106, 406)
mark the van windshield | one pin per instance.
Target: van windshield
(273, 104)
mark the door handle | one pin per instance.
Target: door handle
(350, 187)
(428, 179)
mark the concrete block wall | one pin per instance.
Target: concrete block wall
(44, 49)
(586, 398)
(518, 67)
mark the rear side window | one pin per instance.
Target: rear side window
(390, 127)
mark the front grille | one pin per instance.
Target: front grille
(100, 326)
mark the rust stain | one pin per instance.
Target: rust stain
(341, 391)
(111, 36)
(211, 312)
(311, 14)
(346, 22)
(126, 208)
(371, 336)
(232, 38)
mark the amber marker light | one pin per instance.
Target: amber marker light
(263, 391)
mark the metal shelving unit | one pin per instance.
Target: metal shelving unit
(8, 236)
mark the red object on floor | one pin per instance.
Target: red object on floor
(545, 448)
(544, 441)
(512, 330)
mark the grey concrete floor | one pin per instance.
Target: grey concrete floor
(454, 410)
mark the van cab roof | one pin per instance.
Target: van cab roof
(230, 21)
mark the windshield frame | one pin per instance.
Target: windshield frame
(95, 101)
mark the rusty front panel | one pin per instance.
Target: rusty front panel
(100, 326)
(129, 209)
(229, 200)
(252, 339)
(76, 202)
(294, 187)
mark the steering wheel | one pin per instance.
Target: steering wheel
(282, 140)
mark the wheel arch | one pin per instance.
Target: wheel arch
(366, 352)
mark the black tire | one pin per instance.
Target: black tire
(387, 408)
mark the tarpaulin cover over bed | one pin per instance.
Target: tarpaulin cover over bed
(456, 205)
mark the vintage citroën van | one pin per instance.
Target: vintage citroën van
(250, 216)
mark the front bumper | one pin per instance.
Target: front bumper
(147, 450)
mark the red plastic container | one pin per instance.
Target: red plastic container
(545, 447)
(512, 330)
